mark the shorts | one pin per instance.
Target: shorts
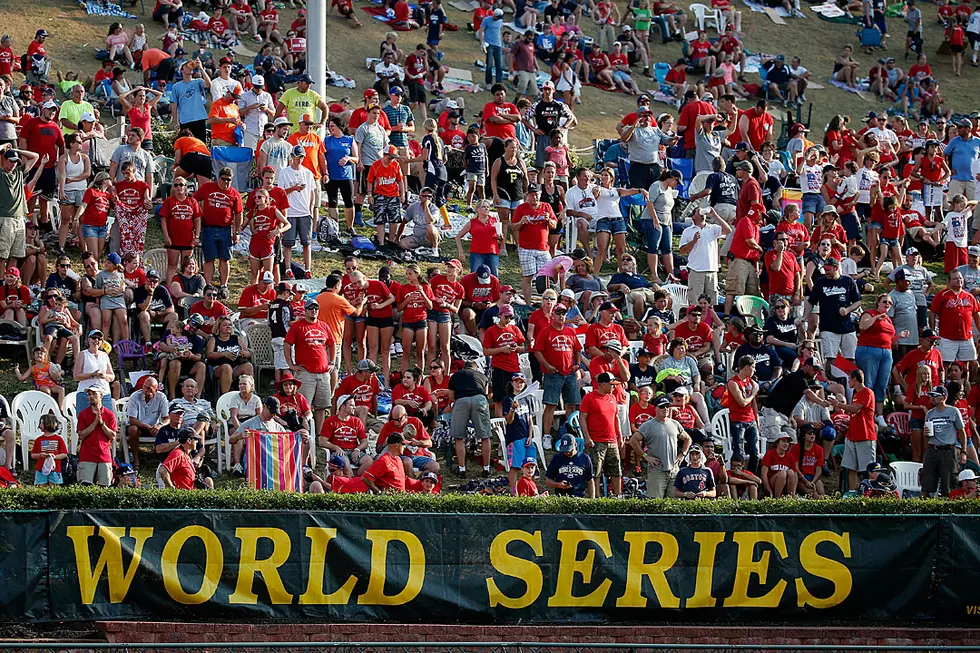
(90, 231)
(876, 226)
(416, 92)
(216, 243)
(381, 322)
(198, 164)
(412, 242)
(857, 455)
(316, 388)
(532, 260)
(438, 317)
(48, 183)
(301, 226)
(610, 225)
(418, 462)
(518, 451)
(57, 331)
(387, 210)
(527, 83)
(953, 257)
(658, 239)
(54, 478)
(477, 178)
(415, 326)
(499, 379)
(13, 243)
(916, 423)
(620, 76)
(833, 344)
(278, 356)
(957, 49)
(560, 386)
(851, 225)
(355, 319)
(957, 350)
(95, 473)
(890, 242)
(73, 198)
(813, 203)
(742, 278)
(261, 249)
(509, 205)
(342, 187)
(605, 460)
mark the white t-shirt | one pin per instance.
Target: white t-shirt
(956, 225)
(299, 201)
(608, 203)
(885, 134)
(246, 409)
(848, 187)
(776, 169)
(848, 267)
(865, 180)
(390, 71)
(220, 86)
(583, 201)
(811, 178)
(704, 255)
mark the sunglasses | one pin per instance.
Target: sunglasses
(228, 179)
(179, 185)
(64, 265)
(211, 294)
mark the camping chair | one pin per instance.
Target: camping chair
(25, 412)
(16, 334)
(131, 351)
(900, 422)
(156, 259)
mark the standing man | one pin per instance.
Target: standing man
(599, 422)
(490, 37)
(543, 117)
(310, 350)
(531, 224)
(699, 243)
(97, 430)
(862, 434)
(221, 221)
(224, 117)
(558, 352)
(334, 309)
(299, 184)
(525, 66)
(372, 141)
(666, 445)
(132, 150)
(957, 312)
(402, 123)
(275, 151)
(755, 125)
(836, 297)
(946, 444)
(468, 389)
(14, 165)
(189, 102)
(387, 188)
(256, 108)
(745, 253)
(962, 153)
(315, 160)
(43, 136)
(303, 101)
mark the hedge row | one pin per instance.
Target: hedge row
(79, 498)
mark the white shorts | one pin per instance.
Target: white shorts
(532, 260)
(857, 455)
(957, 350)
(844, 344)
(278, 357)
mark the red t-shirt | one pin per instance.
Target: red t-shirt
(741, 413)
(760, 126)
(689, 114)
(478, 15)
(640, 416)
(415, 310)
(295, 401)
(453, 138)
(598, 61)
(685, 416)
(697, 337)
(352, 293)
(526, 487)
(598, 335)
(601, 416)
(180, 216)
(98, 203)
(812, 458)
(503, 109)
(359, 116)
(44, 138)
(655, 343)
(893, 227)
(218, 26)
(559, 348)
(534, 233)
(216, 311)
(262, 243)
(956, 35)
(418, 394)
(49, 444)
(252, 296)
(862, 424)
(746, 228)
(218, 206)
(618, 59)
(386, 178)
(599, 365)
(97, 447)
(278, 196)
(130, 193)
(364, 393)
(778, 463)
(484, 236)
(880, 334)
(700, 49)
(415, 67)
(344, 433)
(955, 312)
(446, 290)
(911, 361)
(480, 292)
(311, 343)
(498, 336)
(402, 11)
(387, 472)
(376, 293)
(783, 281)
(182, 471)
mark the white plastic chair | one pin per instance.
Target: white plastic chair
(71, 418)
(634, 347)
(122, 418)
(704, 15)
(156, 259)
(906, 476)
(259, 339)
(525, 361)
(678, 297)
(498, 426)
(721, 431)
(26, 411)
(222, 410)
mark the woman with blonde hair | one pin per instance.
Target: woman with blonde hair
(414, 301)
(433, 160)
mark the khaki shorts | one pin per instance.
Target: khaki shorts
(605, 460)
(97, 473)
(702, 283)
(13, 243)
(527, 83)
(412, 242)
(644, 294)
(278, 355)
(316, 388)
(742, 278)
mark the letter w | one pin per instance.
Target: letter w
(110, 559)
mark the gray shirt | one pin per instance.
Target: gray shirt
(140, 158)
(687, 366)
(707, 149)
(663, 203)
(918, 278)
(277, 153)
(372, 141)
(644, 145)
(945, 423)
(105, 280)
(903, 316)
(8, 106)
(661, 440)
(971, 276)
(152, 412)
(258, 424)
(415, 216)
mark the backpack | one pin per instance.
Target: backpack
(69, 470)
(327, 231)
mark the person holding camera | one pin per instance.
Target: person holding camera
(699, 243)
(181, 469)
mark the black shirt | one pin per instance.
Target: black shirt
(791, 387)
(724, 188)
(68, 285)
(831, 295)
(640, 377)
(777, 73)
(165, 435)
(280, 315)
(765, 359)
(161, 298)
(547, 115)
(784, 330)
(468, 383)
(476, 158)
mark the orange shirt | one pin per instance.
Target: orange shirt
(386, 178)
(152, 57)
(333, 308)
(188, 144)
(313, 145)
(222, 108)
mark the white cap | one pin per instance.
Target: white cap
(568, 292)
(88, 116)
(452, 104)
(267, 277)
(49, 105)
(966, 475)
(258, 80)
(498, 12)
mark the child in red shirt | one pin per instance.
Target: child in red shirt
(779, 469)
(48, 450)
(526, 487)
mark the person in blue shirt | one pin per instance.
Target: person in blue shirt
(694, 481)
(635, 288)
(570, 472)
(838, 297)
(189, 97)
(437, 19)
(963, 152)
(489, 35)
(768, 365)
(517, 435)
(341, 156)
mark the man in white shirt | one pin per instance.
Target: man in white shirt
(387, 73)
(223, 82)
(699, 243)
(256, 108)
(581, 206)
(298, 182)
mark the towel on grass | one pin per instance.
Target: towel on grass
(760, 8)
(96, 8)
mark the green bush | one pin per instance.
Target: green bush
(79, 498)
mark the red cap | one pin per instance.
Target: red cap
(509, 289)
(267, 169)
(370, 93)
(455, 263)
(391, 150)
(12, 271)
(756, 211)
(223, 60)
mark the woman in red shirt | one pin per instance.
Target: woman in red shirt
(739, 398)
(779, 469)
(437, 383)
(809, 464)
(873, 356)
(266, 223)
(132, 205)
(93, 214)
(414, 397)
(180, 220)
(138, 108)
(16, 297)
(414, 301)
(447, 296)
(933, 172)
(380, 324)
(485, 239)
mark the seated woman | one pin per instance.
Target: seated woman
(583, 281)
(60, 328)
(187, 286)
(16, 298)
(415, 398)
(227, 354)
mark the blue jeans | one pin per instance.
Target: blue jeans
(876, 363)
(786, 355)
(748, 433)
(495, 63)
(492, 261)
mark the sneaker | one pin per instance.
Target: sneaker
(238, 470)
(398, 348)
(487, 473)
(308, 275)
(459, 472)
(223, 292)
(290, 275)
(359, 221)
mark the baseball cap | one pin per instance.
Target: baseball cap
(272, 403)
(196, 319)
(831, 262)
(365, 365)
(743, 147)
(258, 80)
(337, 461)
(533, 188)
(430, 476)
(605, 377)
(681, 390)
(627, 28)
(175, 406)
(391, 150)
(506, 311)
(874, 467)
(928, 334)
(283, 287)
(266, 277)
(663, 402)
(308, 119)
(224, 60)
(743, 165)
(185, 434)
(966, 475)
(311, 304)
(370, 93)
(973, 250)
(305, 77)
(509, 289)
(548, 84)
(798, 127)
(938, 391)
(608, 306)
(533, 462)
(644, 352)
(11, 155)
(395, 90)
(40, 32)
(642, 111)
(298, 150)
(282, 120)
(483, 273)
(342, 399)
(50, 104)
(152, 274)
(813, 362)
(88, 116)
(113, 258)
(456, 263)
(566, 443)
(900, 274)
(694, 449)
(871, 116)
(498, 12)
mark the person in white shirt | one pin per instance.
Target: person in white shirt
(256, 108)
(699, 243)
(581, 206)
(224, 81)
(387, 73)
(298, 182)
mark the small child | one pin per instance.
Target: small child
(137, 44)
(125, 476)
(475, 155)
(920, 228)
(558, 153)
(892, 234)
(655, 340)
(741, 482)
(171, 347)
(429, 482)
(526, 487)
(48, 450)
(43, 373)
(956, 222)
(849, 268)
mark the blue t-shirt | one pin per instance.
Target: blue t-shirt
(765, 358)
(694, 479)
(518, 429)
(476, 158)
(190, 100)
(961, 154)
(577, 470)
(338, 148)
(633, 281)
(491, 30)
(831, 295)
(400, 115)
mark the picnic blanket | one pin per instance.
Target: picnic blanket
(274, 461)
(760, 8)
(456, 85)
(830, 12)
(380, 13)
(861, 90)
(97, 8)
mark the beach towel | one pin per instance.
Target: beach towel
(860, 90)
(760, 8)
(380, 13)
(274, 461)
(96, 8)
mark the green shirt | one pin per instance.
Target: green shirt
(641, 20)
(13, 203)
(73, 112)
(300, 104)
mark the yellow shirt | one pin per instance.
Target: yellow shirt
(71, 111)
(300, 104)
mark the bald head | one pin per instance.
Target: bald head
(397, 412)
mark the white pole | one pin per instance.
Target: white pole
(316, 44)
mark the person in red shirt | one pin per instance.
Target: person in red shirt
(600, 332)
(695, 332)
(957, 45)
(526, 487)
(612, 362)
(7, 60)
(49, 445)
(359, 115)
(785, 274)
(387, 472)
(743, 268)
(447, 297)
(957, 311)
(413, 397)
(221, 218)
(557, 350)
(503, 342)
(862, 433)
(97, 429)
(642, 411)
(742, 392)
(255, 299)
(500, 116)
(179, 470)
(599, 423)
(779, 469)
(93, 214)
(531, 223)
(310, 348)
(414, 299)
(809, 464)
(364, 388)
(687, 121)
(387, 189)
(343, 434)
(755, 125)
(481, 289)
(180, 221)
(967, 488)
(132, 202)
(43, 136)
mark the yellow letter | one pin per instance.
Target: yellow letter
(319, 540)
(268, 568)
(569, 565)
(823, 567)
(748, 566)
(214, 562)
(656, 571)
(516, 567)
(375, 593)
(110, 559)
(706, 565)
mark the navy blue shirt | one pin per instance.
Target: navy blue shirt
(577, 470)
(640, 377)
(765, 358)
(476, 158)
(694, 479)
(831, 295)
(436, 20)
(519, 428)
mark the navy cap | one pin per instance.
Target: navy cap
(566, 444)
(305, 77)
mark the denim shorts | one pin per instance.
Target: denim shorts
(43, 479)
(657, 236)
(611, 225)
(216, 243)
(418, 462)
(917, 423)
(414, 326)
(509, 205)
(890, 242)
(621, 76)
(813, 203)
(438, 317)
(558, 386)
(355, 318)
(875, 225)
(89, 231)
